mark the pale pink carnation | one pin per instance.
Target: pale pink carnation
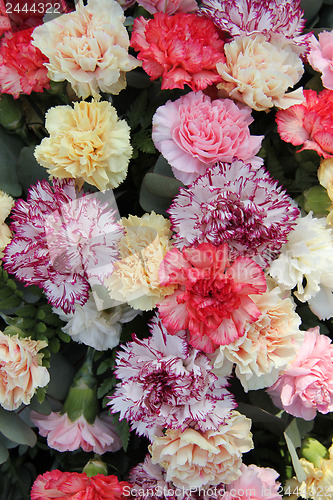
(321, 57)
(245, 17)
(194, 132)
(169, 6)
(61, 240)
(166, 383)
(255, 483)
(307, 386)
(64, 435)
(212, 299)
(237, 204)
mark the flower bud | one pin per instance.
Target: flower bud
(313, 451)
(95, 466)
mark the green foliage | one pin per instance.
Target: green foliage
(10, 147)
(122, 429)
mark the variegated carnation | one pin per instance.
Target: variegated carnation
(237, 204)
(87, 143)
(306, 262)
(21, 372)
(194, 459)
(6, 204)
(269, 345)
(88, 47)
(135, 278)
(98, 329)
(164, 382)
(259, 72)
(60, 241)
(245, 17)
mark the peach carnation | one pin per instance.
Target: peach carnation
(6, 204)
(259, 72)
(88, 47)
(87, 143)
(194, 459)
(269, 345)
(135, 277)
(21, 372)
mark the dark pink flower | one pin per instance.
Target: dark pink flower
(61, 240)
(164, 382)
(309, 123)
(212, 299)
(182, 49)
(237, 204)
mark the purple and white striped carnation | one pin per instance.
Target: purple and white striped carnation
(60, 240)
(237, 204)
(245, 17)
(164, 382)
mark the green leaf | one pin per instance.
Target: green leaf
(256, 414)
(3, 452)
(293, 440)
(106, 386)
(137, 109)
(123, 430)
(157, 192)
(15, 429)
(143, 141)
(54, 344)
(11, 302)
(64, 336)
(28, 169)
(61, 376)
(44, 406)
(10, 147)
(106, 365)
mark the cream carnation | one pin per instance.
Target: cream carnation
(259, 72)
(6, 204)
(87, 143)
(318, 482)
(98, 329)
(306, 262)
(20, 370)
(269, 345)
(88, 47)
(194, 459)
(135, 278)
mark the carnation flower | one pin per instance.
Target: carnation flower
(194, 459)
(87, 143)
(64, 435)
(60, 241)
(269, 345)
(309, 124)
(306, 262)
(182, 49)
(6, 204)
(325, 177)
(135, 278)
(237, 204)
(21, 65)
(98, 329)
(257, 483)
(259, 72)
(166, 383)
(169, 6)
(88, 47)
(4, 19)
(21, 372)
(212, 299)
(269, 17)
(195, 132)
(321, 56)
(307, 386)
(56, 484)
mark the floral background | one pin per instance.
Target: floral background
(166, 244)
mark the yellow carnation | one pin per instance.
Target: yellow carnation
(87, 143)
(135, 278)
(6, 204)
(318, 483)
(325, 176)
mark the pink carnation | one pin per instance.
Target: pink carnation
(194, 132)
(245, 17)
(255, 483)
(307, 386)
(169, 6)
(212, 299)
(61, 240)
(21, 65)
(72, 485)
(236, 204)
(166, 383)
(4, 19)
(182, 49)
(321, 57)
(309, 123)
(64, 435)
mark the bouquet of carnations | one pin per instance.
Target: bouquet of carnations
(166, 245)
